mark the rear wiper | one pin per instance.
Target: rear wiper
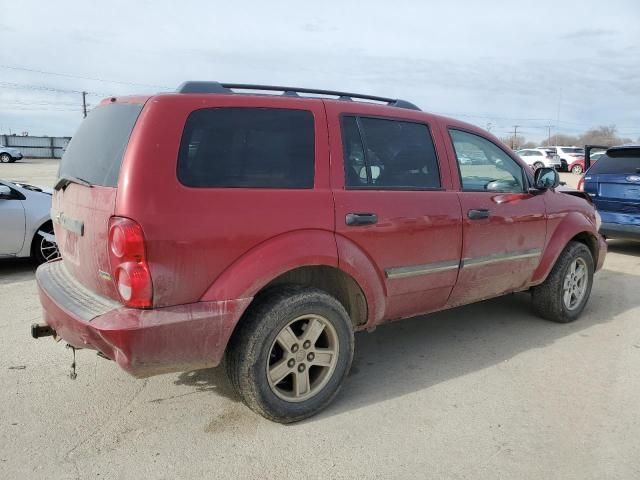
(65, 180)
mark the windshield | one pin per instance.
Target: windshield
(96, 150)
(619, 162)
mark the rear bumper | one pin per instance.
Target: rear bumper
(142, 342)
(620, 231)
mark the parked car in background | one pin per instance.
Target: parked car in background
(576, 166)
(614, 185)
(540, 157)
(274, 226)
(568, 155)
(25, 226)
(9, 154)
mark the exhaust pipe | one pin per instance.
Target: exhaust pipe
(41, 330)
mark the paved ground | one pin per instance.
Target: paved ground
(484, 391)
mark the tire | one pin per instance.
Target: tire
(577, 169)
(42, 250)
(255, 350)
(5, 158)
(538, 165)
(549, 298)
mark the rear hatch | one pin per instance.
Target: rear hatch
(614, 182)
(85, 193)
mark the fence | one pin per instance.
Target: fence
(37, 147)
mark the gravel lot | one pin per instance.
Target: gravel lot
(483, 391)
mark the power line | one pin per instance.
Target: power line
(82, 77)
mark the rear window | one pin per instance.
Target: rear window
(95, 152)
(247, 147)
(625, 161)
(578, 151)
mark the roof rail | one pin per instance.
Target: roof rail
(216, 87)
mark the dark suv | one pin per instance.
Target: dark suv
(268, 228)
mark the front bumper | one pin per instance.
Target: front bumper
(620, 231)
(142, 342)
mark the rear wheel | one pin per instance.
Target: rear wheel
(564, 294)
(43, 246)
(5, 158)
(288, 358)
(577, 169)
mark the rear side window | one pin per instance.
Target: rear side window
(247, 147)
(623, 161)
(388, 154)
(95, 152)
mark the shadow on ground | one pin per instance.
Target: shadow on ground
(414, 354)
(16, 270)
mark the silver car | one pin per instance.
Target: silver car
(25, 226)
(9, 154)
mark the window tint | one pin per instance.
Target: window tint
(391, 154)
(247, 147)
(95, 152)
(485, 166)
(621, 161)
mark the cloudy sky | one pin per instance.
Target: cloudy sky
(570, 64)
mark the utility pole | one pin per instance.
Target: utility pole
(549, 134)
(515, 136)
(84, 104)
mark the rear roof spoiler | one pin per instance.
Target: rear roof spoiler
(228, 88)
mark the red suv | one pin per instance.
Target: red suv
(266, 228)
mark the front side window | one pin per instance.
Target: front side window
(247, 147)
(388, 154)
(491, 169)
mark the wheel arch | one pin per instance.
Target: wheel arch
(574, 227)
(306, 257)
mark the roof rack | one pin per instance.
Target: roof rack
(217, 87)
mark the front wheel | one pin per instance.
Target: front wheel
(5, 158)
(538, 165)
(577, 169)
(291, 353)
(564, 294)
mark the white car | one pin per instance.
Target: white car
(539, 157)
(26, 228)
(9, 154)
(567, 155)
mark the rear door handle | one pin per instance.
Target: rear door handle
(478, 214)
(355, 219)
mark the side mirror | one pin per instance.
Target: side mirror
(5, 192)
(546, 178)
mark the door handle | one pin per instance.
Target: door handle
(478, 214)
(355, 219)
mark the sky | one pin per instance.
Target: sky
(573, 65)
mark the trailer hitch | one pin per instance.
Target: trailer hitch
(41, 330)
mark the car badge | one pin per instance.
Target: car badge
(633, 178)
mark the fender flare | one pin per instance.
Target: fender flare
(246, 276)
(571, 225)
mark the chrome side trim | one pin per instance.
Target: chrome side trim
(500, 257)
(425, 269)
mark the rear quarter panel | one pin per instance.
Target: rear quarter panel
(194, 234)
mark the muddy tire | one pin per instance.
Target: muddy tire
(564, 294)
(291, 352)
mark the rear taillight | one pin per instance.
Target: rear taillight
(129, 267)
(581, 184)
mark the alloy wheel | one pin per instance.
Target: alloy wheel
(302, 358)
(575, 284)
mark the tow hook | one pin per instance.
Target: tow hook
(41, 330)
